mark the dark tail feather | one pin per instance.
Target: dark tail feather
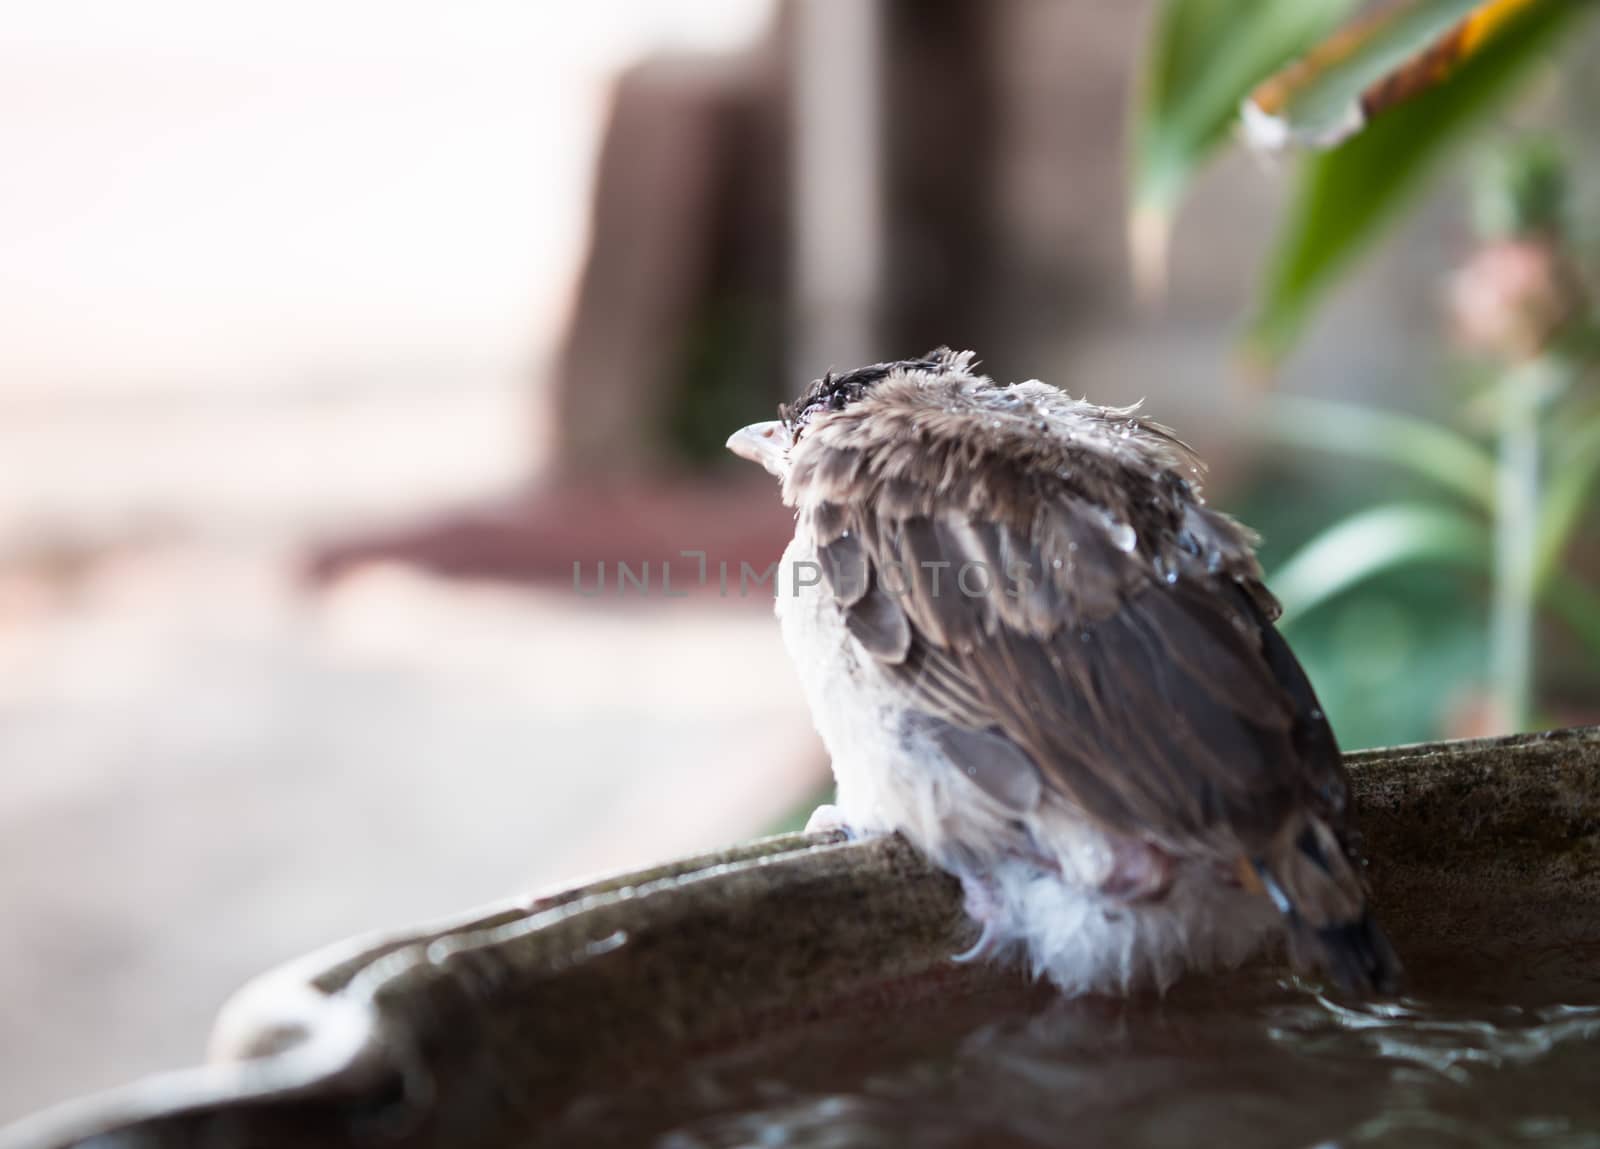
(1320, 894)
(1355, 955)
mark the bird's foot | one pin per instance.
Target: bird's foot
(981, 899)
(828, 819)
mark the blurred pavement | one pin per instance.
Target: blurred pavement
(210, 770)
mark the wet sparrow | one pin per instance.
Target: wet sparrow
(1031, 648)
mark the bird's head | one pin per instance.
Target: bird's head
(769, 443)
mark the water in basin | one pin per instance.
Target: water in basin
(1259, 1061)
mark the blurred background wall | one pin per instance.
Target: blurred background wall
(333, 335)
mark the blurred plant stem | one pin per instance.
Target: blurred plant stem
(1516, 537)
(1519, 300)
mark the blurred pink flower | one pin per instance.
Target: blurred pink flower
(1512, 297)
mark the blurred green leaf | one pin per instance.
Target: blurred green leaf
(1389, 659)
(1567, 494)
(1322, 97)
(1576, 605)
(1427, 449)
(1371, 542)
(1203, 58)
(1346, 195)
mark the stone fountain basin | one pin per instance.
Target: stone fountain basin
(479, 1031)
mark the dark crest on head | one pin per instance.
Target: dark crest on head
(836, 392)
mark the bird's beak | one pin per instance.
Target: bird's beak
(764, 443)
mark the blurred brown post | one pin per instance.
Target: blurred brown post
(941, 169)
(837, 207)
(895, 171)
(678, 329)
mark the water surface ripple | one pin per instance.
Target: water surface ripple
(1267, 1063)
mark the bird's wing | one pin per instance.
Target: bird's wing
(1140, 679)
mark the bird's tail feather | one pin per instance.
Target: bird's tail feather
(1355, 955)
(1317, 888)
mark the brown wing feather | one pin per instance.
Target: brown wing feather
(1146, 684)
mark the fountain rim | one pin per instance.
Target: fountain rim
(322, 1026)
